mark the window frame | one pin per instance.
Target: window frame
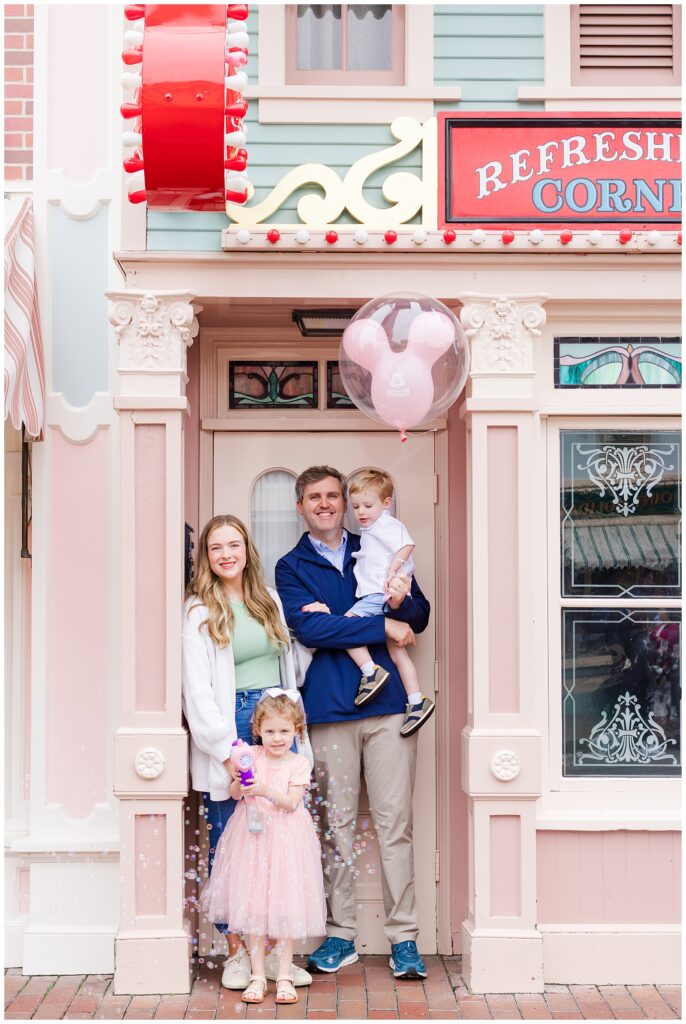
(344, 76)
(561, 93)
(636, 799)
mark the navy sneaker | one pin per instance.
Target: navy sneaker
(333, 954)
(406, 962)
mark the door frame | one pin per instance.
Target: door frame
(253, 343)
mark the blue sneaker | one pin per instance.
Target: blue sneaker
(406, 962)
(333, 954)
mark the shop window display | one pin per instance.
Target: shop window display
(620, 518)
(620, 514)
(621, 692)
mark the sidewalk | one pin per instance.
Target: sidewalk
(366, 990)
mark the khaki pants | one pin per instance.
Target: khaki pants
(342, 752)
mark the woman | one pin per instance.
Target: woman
(235, 646)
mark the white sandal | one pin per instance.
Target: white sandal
(285, 990)
(256, 988)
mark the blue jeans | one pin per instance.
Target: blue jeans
(218, 812)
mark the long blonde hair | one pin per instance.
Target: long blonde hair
(209, 590)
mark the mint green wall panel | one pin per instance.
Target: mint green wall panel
(487, 50)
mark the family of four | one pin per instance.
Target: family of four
(354, 601)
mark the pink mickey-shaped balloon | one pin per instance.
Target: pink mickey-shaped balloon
(404, 359)
(365, 342)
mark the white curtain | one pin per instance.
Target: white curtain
(275, 525)
(319, 37)
(369, 37)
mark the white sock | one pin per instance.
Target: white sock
(414, 698)
(369, 668)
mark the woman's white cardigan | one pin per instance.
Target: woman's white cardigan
(209, 699)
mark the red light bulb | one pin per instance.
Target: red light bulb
(566, 235)
(625, 235)
(449, 236)
(273, 236)
(507, 237)
(391, 237)
(331, 237)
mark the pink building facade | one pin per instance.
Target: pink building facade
(545, 502)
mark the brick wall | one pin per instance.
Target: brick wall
(18, 92)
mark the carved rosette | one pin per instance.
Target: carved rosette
(149, 763)
(505, 765)
(502, 330)
(153, 329)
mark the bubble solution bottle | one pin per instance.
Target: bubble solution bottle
(242, 759)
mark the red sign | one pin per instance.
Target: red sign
(557, 170)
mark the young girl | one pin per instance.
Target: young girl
(269, 883)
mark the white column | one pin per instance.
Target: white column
(152, 948)
(501, 753)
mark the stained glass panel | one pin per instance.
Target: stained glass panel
(266, 385)
(620, 512)
(336, 395)
(617, 362)
(621, 696)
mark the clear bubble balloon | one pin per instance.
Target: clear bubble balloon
(404, 359)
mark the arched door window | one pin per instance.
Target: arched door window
(274, 523)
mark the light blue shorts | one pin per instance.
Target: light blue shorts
(372, 604)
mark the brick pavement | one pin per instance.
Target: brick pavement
(364, 991)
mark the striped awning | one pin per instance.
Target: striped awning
(24, 378)
(649, 541)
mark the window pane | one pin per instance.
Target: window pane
(369, 37)
(621, 692)
(336, 395)
(275, 525)
(620, 513)
(268, 385)
(617, 362)
(319, 37)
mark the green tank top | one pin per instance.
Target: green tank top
(255, 657)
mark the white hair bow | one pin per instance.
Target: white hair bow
(277, 691)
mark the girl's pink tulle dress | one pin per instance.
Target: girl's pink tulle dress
(270, 882)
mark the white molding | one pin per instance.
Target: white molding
(280, 103)
(597, 93)
(80, 201)
(611, 954)
(79, 424)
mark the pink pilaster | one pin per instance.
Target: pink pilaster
(152, 947)
(501, 757)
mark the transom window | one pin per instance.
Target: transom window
(345, 44)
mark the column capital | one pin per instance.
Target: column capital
(502, 330)
(153, 329)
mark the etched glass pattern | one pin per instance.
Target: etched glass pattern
(621, 692)
(336, 395)
(620, 514)
(617, 362)
(260, 385)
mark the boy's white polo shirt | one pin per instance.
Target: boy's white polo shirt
(378, 544)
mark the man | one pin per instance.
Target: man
(319, 571)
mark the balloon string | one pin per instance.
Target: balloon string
(403, 437)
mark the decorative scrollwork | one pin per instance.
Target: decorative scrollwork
(625, 470)
(502, 330)
(403, 189)
(153, 329)
(627, 739)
